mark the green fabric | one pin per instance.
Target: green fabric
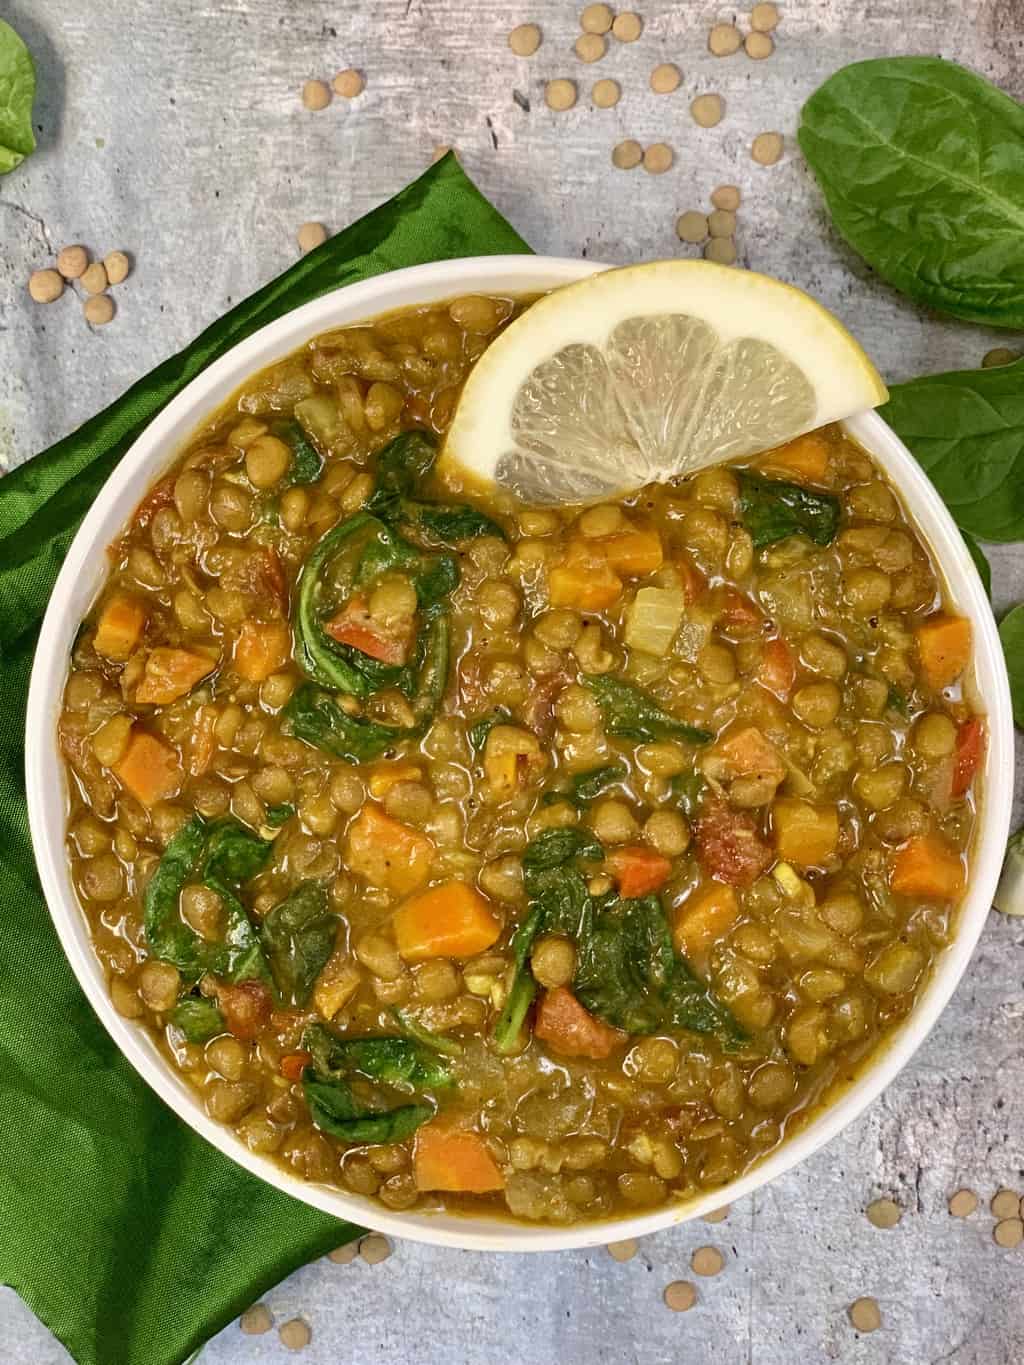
(130, 1237)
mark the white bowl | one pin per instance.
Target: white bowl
(82, 576)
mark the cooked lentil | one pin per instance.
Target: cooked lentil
(626, 156)
(45, 286)
(680, 1296)
(658, 158)
(72, 261)
(692, 226)
(349, 84)
(1005, 1204)
(758, 46)
(708, 110)
(884, 1213)
(766, 149)
(865, 1316)
(665, 78)
(726, 197)
(606, 94)
(724, 40)
(98, 310)
(560, 94)
(627, 27)
(525, 40)
(187, 718)
(963, 1203)
(591, 47)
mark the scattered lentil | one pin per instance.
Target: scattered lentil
(726, 197)
(591, 47)
(344, 1255)
(525, 40)
(721, 250)
(680, 1296)
(707, 1261)
(626, 156)
(864, 1315)
(721, 223)
(724, 40)
(1005, 1204)
(692, 226)
(316, 95)
(1000, 355)
(606, 94)
(295, 1334)
(45, 285)
(348, 84)
(763, 18)
(627, 27)
(622, 1251)
(665, 78)
(99, 310)
(560, 94)
(658, 158)
(310, 236)
(758, 46)
(1009, 1233)
(256, 1320)
(374, 1249)
(117, 265)
(766, 148)
(963, 1203)
(94, 278)
(717, 1215)
(884, 1213)
(72, 261)
(707, 110)
(596, 19)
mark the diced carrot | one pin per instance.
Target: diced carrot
(450, 920)
(337, 983)
(584, 580)
(121, 623)
(570, 1029)
(262, 648)
(246, 1007)
(387, 853)
(294, 1064)
(776, 670)
(638, 870)
(970, 747)
(805, 458)
(454, 1159)
(927, 867)
(170, 674)
(150, 769)
(632, 553)
(388, 775)
(703, 918)
(804, 834)
(729, 845)
(354, 626)
(749, 753)
(203, 741)
(739, 614)
(943, 648)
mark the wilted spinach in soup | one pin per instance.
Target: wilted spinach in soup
(556, 862)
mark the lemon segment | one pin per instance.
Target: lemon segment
(647, 373)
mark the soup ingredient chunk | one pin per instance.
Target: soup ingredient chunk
(150, 769)
(448, 1158)
(120, 627)
(570, 1029)
(450, 920)
(388, 853)
(944, 647)
(926, 866)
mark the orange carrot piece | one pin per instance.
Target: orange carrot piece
(294, 1064)
(120, 627)
(570, 1029)
(804, 834)
(970, 748)
(632, 553)
(749, 753)
(692, 581)
(638, 870)
(703, 918)
(387, 853)
(262, 648)
(805, 458)
(927, 867)
(943, 648)
(150, 769)
(584, 580)
(450, 920)
(170, 674)
(776, 670)
(354, 626)
(454, 1159)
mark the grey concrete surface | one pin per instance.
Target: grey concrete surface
(172, 129)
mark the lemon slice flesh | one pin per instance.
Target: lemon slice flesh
(647, 373)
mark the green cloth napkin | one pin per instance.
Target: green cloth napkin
(129, 1236)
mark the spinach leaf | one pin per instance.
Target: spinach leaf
(555, 847)
(220, 855)
(1011, 633)
(896, 700)
(323, 659)
(631, 714)
(17, 92)
(449, 1047)
(688, 790)
(966, 430)
(402, 466)
(198, 1019)
(279, 815)
(523, 988)
(921, 164)
(298, 937)
(980, 562)
(307, 464)
(335, 1110)
(772, 509)
(480, 729)
(450, 523)
(586, 787)
(392, 1061)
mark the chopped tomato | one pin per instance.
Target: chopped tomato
(777, 668)
(692, 581)
(203, 741)
(294, 1064)
(637, 870)
(354, 626)
(970, 747)
(729, 846)
(159, 496)
(539, 710)
(739, 614)
(245, 1007)
(570, 1029)
(748, 753)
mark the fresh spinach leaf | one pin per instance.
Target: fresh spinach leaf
(772, 509)
(586, 787)
(966, 430)
(307, 464)
(1011, 633)
(279, 815)
(693, 1006)
(523, 988)
(392, 1061)
(688, 790)
(921, 164)
(335, 1110)
(980, 562)
(298, 937)
(450, 523)
(631, 714)
(556, 847)
(402, 466)
(17, 93)
(198, 1019)
(480, 729)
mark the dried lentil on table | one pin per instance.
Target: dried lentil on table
(692, 226)
(726, 197)
(256, 1320)
(665, 78)
(525, 40)
(721, 250)
(560, 94)
(117, 265)
(99, 310)
(94, 278)
(344, 1255)
(707, 1261)
(764, 17)
(865, 1315)
(658, 158)
(295, 1335)
(596, 19)
(606, 94)
(591, 47)
(680, 1296)
(310, 236)
(963, 1203)
(72, 261)
(717, 1215)
(622, 1251)
(374, 1249)
(758, 46)
(721, 223)
(348, 84)
(45, 286)
(724, 40)
(627, 27)
(316, 95)
(999, 355)
(708, 110)
(1005, 1204)
(884, 1213)
(1009, 1233)
(766, 148)
(626, 156)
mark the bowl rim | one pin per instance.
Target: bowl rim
(83, 572)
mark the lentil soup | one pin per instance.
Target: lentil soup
(550, 862)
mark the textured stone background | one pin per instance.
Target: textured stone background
(173, 129)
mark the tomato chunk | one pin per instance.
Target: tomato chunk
(729, 846)
(570, 1029)
(777, 668)
(354, 626)
(970, 748)
(245, 1007)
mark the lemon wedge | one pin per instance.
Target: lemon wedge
(647, 373)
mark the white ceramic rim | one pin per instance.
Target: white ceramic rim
(82, 575)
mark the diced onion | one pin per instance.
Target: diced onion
(1009, 897)
(653, 620)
